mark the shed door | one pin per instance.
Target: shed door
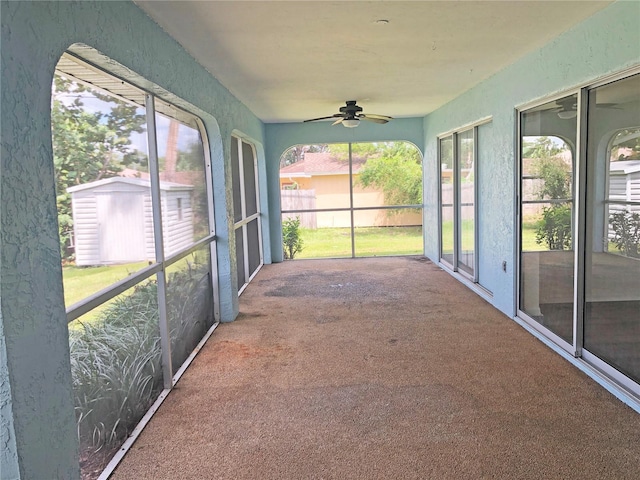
(121, 224)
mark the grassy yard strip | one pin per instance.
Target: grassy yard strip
(370, 241)
(80, 282)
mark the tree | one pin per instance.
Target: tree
(88, 145)
(397, 171)
(540, 147)
(556, 176)
(296, 153)
(340, 151)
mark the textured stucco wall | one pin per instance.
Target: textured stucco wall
(280, 136)
(8, 454)
(35, 338)
(605, 43)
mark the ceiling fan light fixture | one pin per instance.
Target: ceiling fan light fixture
(567, 114)
(351, 122)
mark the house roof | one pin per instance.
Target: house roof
(322, 163)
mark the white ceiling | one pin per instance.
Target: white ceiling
(292, 60)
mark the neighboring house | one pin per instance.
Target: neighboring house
(321, 181)
(113, 222)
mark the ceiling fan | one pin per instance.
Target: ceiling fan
(350, 116)
(568, 107)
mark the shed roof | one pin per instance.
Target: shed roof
(129, 181)
(625, 166)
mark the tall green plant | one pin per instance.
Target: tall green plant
(555, 227)
(291, 239)
(189, 307)
(115, 364)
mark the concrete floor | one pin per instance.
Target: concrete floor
(382, 368)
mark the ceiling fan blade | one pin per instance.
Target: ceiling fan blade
(373, 115)
(613, 106)
(372, 119)
(323, 118)
(340, 120)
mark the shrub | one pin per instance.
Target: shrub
(116, 357)
(189, 308)
(555, 227)
(626, 228)
(291, 240)
(115, 363)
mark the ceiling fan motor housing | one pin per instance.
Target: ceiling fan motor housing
(351, 109)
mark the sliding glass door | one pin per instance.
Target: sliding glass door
(447, 232)
(579, 216)
(612, 259)
(547, 214)
(458, 201)
(466, 192)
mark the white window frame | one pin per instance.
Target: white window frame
(245, 220)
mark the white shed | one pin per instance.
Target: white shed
(624, 186)
(113, 220)
(624, 181)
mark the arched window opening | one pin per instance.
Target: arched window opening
(137, 244)
(351, 200)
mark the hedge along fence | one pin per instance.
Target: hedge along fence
(116, 357)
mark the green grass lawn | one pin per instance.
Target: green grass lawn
(529, 243)
(370, 241)
(80, 282)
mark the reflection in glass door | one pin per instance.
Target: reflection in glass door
(612, 280)
(548, 139)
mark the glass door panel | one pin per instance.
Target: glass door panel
(548, 138)
(612, 281)
(466, 201)
(446, 201)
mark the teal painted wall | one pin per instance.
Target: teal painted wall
(281, 136)
(605, 43)
(36, 402)
(36, 412)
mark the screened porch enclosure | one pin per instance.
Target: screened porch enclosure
(139, 262)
